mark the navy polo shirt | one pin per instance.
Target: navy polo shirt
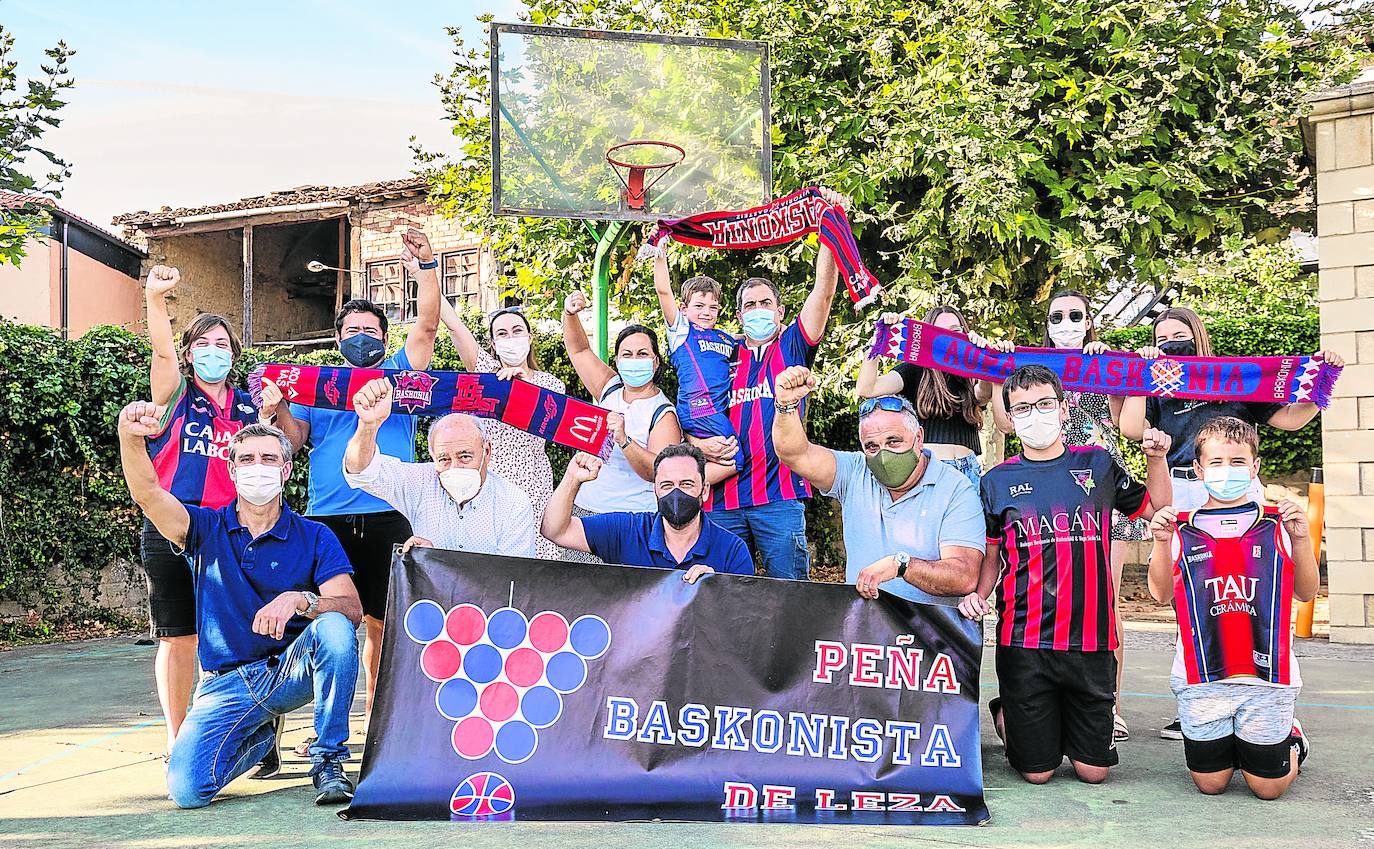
(235, 575)
(636, 539)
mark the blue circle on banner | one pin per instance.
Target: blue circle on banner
(566, 672)
(456, 698)
(482, 663)
(590, 636)
(515, 741)
(424, 621)
(541, 706)
(507, 627)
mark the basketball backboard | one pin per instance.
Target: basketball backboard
(561, 98)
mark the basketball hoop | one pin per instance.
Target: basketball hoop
(635, 195)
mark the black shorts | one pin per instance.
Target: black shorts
(367, 540)
(1057, 703)
(171, 589)
(1271, 760)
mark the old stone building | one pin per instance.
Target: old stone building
(248, 259)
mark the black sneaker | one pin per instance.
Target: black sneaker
(270, 765)
(1172, 731)
(332, 783)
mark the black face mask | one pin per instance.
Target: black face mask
(1179, 347)
(679, 508)
(362, 350)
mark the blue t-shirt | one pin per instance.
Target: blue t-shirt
(330, 430)
(636, 539)
(702, 359)
(235, 575)
(942, 509)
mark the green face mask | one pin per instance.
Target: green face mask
(892, 468)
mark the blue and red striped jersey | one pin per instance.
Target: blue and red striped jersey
(191, 453)
(1053, 520)
(1233, 593)
(762, 478)
(703, 359)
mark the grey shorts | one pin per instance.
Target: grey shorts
(1252, 712)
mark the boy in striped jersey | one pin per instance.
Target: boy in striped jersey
(1049, 518)
(1231, 569)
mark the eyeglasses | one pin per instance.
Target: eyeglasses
(1074, 315)
(890, 403)
(1044, 405)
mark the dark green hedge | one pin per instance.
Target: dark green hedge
(65, 514)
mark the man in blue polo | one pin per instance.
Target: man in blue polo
(912, 525)
(276, 610)
(676, 536)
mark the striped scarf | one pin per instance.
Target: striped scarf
(777, 222)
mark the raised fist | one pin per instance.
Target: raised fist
(417, 243)
(163, 279)
(575, 303)
(373, 402)
(1155, 442)
(793, 384)
(142, 418)
(584, 467)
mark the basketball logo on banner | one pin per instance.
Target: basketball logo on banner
(502, 677)
(483, 794)
(1167, 376)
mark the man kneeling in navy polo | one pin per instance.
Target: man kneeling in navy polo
(276, 611)
(677, 536)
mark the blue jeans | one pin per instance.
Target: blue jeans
(970, 467)
(777, 531)
(230, 726)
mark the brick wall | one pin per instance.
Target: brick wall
(1343, 124)
(377, 233)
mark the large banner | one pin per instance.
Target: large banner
(534, 689)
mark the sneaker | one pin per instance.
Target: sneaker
(1300, 740)
(1172, 731)
(332, 783)
(270, 765)
(1120, 733)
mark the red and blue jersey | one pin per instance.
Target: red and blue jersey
(703, 359)
(191, 453)
(1233, 593)
(1053, 521)
(762, 478)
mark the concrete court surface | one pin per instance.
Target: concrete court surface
(80, 739)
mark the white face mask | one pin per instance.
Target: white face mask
(513, 350)
(258, 484)
(461, 484)
(1069, 334)
(1038, 430)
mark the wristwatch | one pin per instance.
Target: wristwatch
(903, 560)
(312, 603)
(434, 263)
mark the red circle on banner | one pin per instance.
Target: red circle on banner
(548, 632)
(524, 667)
(499, 701)
(465, 624)
(441, 660)
(472, 738)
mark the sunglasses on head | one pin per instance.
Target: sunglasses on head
(889, 403)
(515, 310)
(1075, 316)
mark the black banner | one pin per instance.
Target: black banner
(534, 689)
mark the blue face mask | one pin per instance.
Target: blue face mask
(362, 350)
(635, 373)
(1227, 484)
(760, 323)
(211, 364)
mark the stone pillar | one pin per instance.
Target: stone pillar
(1342, 122)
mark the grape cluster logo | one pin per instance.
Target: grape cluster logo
(502, 677)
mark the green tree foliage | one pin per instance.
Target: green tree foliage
(28, 108)
(994, 149)
(1246, 278)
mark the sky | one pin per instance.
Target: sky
(191, 103)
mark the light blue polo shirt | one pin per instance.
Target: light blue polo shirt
(942, 509)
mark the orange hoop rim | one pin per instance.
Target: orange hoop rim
(681, 154)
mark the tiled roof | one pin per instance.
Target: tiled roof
(16, 200)
(288, 197)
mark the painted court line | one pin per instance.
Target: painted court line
(74, 749)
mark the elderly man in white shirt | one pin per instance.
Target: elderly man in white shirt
(453, 502)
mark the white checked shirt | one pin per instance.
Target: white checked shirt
(499, 519)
